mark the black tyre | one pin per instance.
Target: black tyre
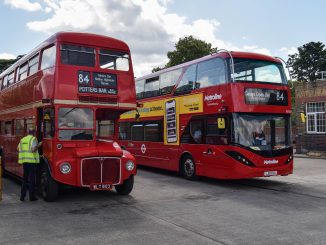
(188, 168)
(126, 187)
(49, 187)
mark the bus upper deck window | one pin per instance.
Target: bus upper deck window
(77, 55)
(114, 60)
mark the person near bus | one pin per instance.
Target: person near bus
(29, 157)
(259, 137)
(197, 135)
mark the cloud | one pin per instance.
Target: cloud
(146, 25)
(24, 4)
(288, 51)
(7, 56)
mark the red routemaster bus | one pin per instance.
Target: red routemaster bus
(73, 88)
(226, 116)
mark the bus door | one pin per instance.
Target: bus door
(47, 122)
(208, 135)
(156, 153)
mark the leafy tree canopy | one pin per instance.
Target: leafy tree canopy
(310, 59)
(5, 63)
(187, 49)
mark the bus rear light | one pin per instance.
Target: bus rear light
(240, 158)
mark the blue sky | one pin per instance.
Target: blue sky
(152, 27)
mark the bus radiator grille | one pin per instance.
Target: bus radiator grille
(100, 170)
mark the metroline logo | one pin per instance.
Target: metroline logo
(213, 97)
(274, 161)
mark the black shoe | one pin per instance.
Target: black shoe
(32, 199)
(22, 199)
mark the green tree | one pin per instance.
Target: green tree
(187, 49)
(310, 59)
(5, 63)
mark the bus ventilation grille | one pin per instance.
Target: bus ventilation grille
(100, 170)
(97, 100)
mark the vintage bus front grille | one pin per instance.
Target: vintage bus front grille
(100, 170)
(97, 100)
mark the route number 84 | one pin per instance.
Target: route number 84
(83, 77)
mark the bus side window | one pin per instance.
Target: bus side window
(19, 127)
(193, 133)
(8, 129)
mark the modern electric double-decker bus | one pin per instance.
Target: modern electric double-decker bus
(225, 116)
(73, 88)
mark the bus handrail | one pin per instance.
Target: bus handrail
(286, 66)
(232, 61)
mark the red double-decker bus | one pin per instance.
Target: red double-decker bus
(226, 116)
(73, 88)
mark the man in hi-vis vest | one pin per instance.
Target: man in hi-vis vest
(28, 156)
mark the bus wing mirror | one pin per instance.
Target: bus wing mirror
(221, 123)
(303, 117)
(137, 115)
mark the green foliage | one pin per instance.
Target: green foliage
(155, 69)
(310, 59)
(5, 63)
(187, 49)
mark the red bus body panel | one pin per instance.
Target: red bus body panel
(57, 87)
(218, 99)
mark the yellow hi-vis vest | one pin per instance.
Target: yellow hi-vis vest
(25, 154)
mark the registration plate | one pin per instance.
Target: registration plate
(270, 173)
(97, 187)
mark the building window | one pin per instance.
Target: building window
(316, 120)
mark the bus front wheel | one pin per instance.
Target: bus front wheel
(126, 187)
(49, 187)
(188, 168)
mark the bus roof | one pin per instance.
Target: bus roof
(223, 54)
(75, 38)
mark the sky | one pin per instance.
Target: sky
(152, 27)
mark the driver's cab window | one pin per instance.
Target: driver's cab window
(105, 123)
(105, 128)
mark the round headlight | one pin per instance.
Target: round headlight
(65, 168)
(130, 166)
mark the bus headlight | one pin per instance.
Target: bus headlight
(65, 168)
(130, 166)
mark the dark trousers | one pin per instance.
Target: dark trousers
(29, 180)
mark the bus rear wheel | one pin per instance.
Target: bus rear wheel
(49, 187)
(126, 187)
(188, 168)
